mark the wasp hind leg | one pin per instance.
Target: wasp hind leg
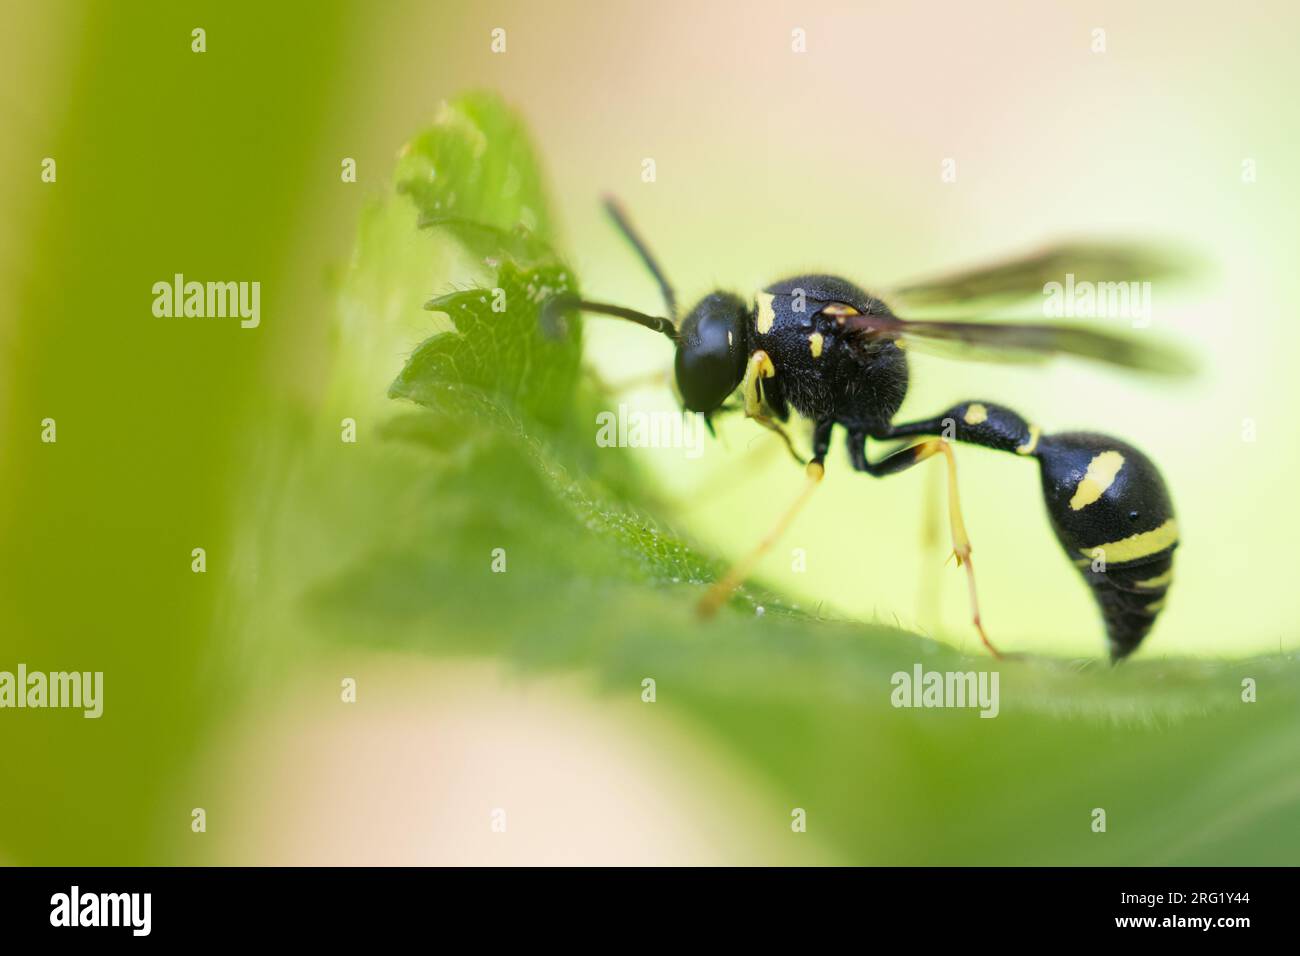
(927, 587)
(736, 574)
(905, 458)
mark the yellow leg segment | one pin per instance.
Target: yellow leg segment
(722, 588)
(927, 589)
(760, 367)
(961, 547)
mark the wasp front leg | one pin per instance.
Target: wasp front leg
(722, 588)
(758, 368)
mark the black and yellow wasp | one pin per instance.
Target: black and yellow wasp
(822, 346)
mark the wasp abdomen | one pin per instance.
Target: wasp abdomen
(1112, 513)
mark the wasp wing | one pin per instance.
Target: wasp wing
(1029, 275)
(1024, 342)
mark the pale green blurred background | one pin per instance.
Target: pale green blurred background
(768, 162)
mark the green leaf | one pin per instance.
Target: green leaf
(500, 346)
(472, 176)
(474, 173)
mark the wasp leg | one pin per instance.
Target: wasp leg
(758, 368)
(722, 588)
(727, 480)
(657, 379)
(928, 587)
(913, 455)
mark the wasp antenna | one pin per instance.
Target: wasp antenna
(571, 303)
(616, 213)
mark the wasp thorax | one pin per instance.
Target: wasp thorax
(711, 351)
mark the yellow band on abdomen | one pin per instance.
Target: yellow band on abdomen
(1141, 545)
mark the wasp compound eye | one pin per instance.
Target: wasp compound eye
(711, 351)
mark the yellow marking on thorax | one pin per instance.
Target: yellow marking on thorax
(1100, 475)
(976, 413)
(1159, 581)
(1028, 447)
(765, 314)
(815, 343)
(839, 310)
(1156, 605)
(1141, 545)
